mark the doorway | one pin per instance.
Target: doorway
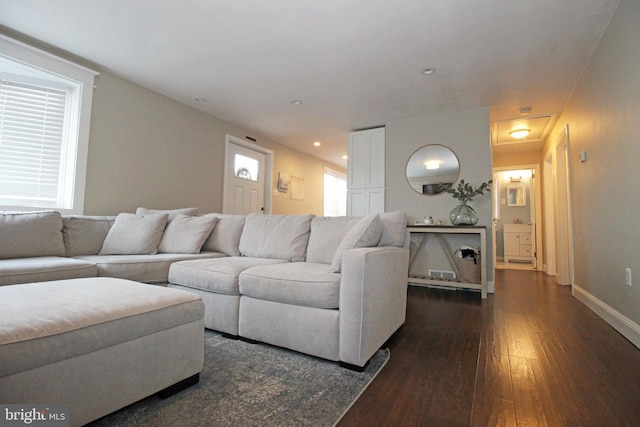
(517, 240)
(247, 177)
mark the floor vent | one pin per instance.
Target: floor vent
(442, 274)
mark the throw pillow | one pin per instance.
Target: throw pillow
(186, 234)
(366, 233)
(133, 234)
(171, 212)
(226, 234)
(394, 226)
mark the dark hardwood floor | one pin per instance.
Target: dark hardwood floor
(529, 355)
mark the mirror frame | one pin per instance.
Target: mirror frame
(444, 190)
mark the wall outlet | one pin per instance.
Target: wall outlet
(628, 276)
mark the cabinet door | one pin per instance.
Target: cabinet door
(376, 158)
(357, 202)
(366, 159)
(365, 201)
(358, 160)
(375, 200)
(511, 244)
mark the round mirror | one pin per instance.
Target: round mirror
(432, 169)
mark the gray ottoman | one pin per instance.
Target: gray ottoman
(96, 344)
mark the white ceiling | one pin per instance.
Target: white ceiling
(354, 64)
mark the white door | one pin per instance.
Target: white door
(244, 180)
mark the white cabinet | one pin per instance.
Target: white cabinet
(365, 176)
(517, 242)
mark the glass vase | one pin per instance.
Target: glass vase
(463, 215)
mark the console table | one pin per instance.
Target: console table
(438, 230)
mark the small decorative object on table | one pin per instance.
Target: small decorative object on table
(465, 192)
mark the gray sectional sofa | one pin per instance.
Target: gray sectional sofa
(330, 287)
(43, 246)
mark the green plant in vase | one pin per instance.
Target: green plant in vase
(464, 214)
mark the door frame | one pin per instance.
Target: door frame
(549, 216)
(268, 173)
(561, 155)
(537, 211)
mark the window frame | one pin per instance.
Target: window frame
(22, 54)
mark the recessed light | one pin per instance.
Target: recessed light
(428, 71)
(296, 102)
(317, 144)
(345, 157)
(200, 100)
(525, 110)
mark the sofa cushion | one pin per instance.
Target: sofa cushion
(326, 235)
(276, 236)
(394, 226)
(141, 268)
(214, 275)
(171, 212)
(298, 283)
(133, 234)
(31, 234)
(84, 235)
(225, 236)
(38, 269)
(365, 233)
(186, 234)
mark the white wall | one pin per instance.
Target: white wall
(467, 134)
(603, 117)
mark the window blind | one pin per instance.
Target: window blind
(32, 119)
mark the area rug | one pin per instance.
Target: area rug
(246, 384)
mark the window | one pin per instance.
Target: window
(247, 167)
(335, 193)
(45, 105)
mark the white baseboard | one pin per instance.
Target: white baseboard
(628, 328)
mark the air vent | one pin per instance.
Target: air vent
(442, 274)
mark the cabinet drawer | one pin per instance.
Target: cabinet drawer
(525, 250)
(525, 238)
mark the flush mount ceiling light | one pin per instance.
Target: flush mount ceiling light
(428, 71)
(317, 144)
(520, 133)
(432, 164)
(296, 102)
